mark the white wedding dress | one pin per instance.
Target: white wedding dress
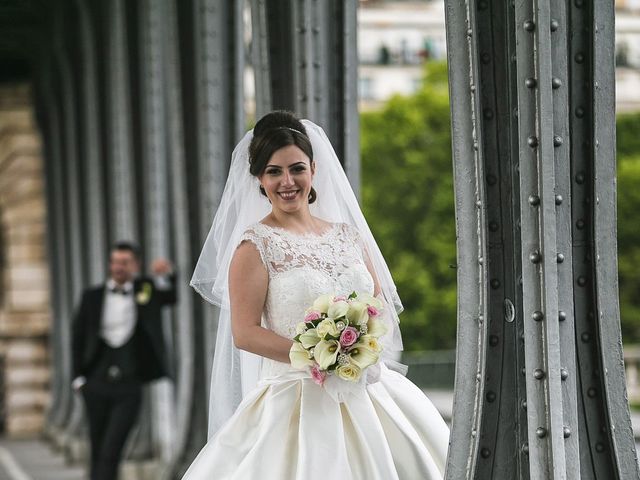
(290, 428)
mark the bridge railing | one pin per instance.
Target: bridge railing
(436, 369)
(632, 372)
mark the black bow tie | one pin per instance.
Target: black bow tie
(120, 290)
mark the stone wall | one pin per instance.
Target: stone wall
(24, 277)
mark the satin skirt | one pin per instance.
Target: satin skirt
(292, 429)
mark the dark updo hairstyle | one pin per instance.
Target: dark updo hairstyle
(274, 131)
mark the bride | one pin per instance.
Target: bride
(288, 230)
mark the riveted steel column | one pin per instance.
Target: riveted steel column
(121, 176)
(215, 109)
(94, 198)
(472, 275)
(311, 67)
(155, 191)
(544, 188)
(76, 280)
(58, 254)
(559, 26)
(181, 229)
(538, 237)
(608, 442)
(503, 407)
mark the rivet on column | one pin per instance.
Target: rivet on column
(535, 256)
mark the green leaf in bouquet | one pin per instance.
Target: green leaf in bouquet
(352, 295)
(296, 338)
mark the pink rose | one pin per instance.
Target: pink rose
(348, 337)
(340, 298)
(312, 316)
(318, 375)
(372, 311)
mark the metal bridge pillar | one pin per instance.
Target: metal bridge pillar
(540, 389)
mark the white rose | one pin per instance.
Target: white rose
(327, 327)
(338, 309)
(309, 338)
(326, 353)
(371, 342)
(299, 357)
(349, 372)
(322, 303)
(301, 328)
(357, 313)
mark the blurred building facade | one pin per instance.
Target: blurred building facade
(395, 38)
(25, 317)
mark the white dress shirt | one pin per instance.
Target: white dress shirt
(118, 314)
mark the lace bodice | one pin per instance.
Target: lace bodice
(303, 267)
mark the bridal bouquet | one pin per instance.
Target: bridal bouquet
(339, 336)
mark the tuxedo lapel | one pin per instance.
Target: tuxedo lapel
(97, 312)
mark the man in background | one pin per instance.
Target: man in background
(117, 347)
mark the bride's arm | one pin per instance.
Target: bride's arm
(248, 283)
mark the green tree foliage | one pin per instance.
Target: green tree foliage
(628, 144)
(407, 196)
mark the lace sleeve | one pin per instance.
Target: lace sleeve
(259, 242)
(353, 234)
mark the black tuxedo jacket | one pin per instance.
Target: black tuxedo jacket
(148, 339)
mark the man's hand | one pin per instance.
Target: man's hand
(161, 266)
(78, 383)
